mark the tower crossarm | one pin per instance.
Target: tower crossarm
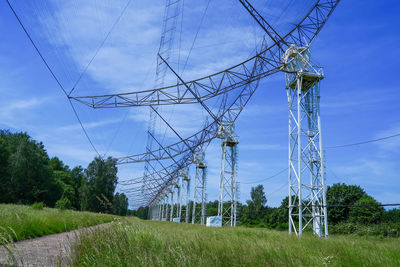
(206, 88)
(302, 34)
(271, 32)
(226, 80)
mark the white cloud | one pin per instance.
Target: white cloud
(390, 145)
(89, 125)
(266, 147)
(69, 152)
(362, 166)
(15, 112)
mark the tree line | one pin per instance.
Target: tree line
(28, 175)
(350, 211)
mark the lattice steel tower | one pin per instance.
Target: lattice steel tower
(185, 185)
(199, 198)
(228, 185)
(307, 198)
(171, 211)
(178, 200)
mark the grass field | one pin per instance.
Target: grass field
(18, 222)
(133, 242)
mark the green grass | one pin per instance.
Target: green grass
(133, 242)
(18, 222)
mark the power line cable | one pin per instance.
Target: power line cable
(196, 35)
(276, 190)
(345, 206)
(362, 205)
(53, 74)
(101, 45)
(365, 142)
(266, 179)
(36, 48)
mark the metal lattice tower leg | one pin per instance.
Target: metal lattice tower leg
(166, 208)
(172, 205)
(307, 195)
(228, 185)
(162, 206)
(186, 186)
(199, 197)
(180, 200)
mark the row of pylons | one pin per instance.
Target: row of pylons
(179, 205)
(307, 206)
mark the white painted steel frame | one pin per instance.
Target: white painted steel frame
(307, 193)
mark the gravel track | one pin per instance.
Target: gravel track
(50, 250)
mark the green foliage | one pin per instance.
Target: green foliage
(37, 206)
(27, 222)
(57, 165)
(279, 217)
(254, 214)
(25, 174)
(379, 230)
(365, 214)
(342, 194)
(141, 213)
(391, 216)
(353, 211)
(63, 204)
(98, 189)
(212, 208)
(150, 243)
(28, 175)
(120, 204)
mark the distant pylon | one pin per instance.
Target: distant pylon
(178, 199)
(199, 194)
(185, 185)
(228, 185)
(166, 207)
(307, 197)
(162, 207)
(171, 191)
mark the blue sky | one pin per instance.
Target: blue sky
(360, 95)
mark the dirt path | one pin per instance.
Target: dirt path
(50, 250)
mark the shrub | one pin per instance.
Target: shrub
(63, 204)
(363, 213)
(37, 206)
(380, 230)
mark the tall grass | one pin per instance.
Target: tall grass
(133, 242)
(18, 222)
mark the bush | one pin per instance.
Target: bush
(63, 204)
(282, 227)
(363, 213)
(380, 230)
(37, 206)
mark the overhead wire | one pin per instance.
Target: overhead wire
(36, 48)
(346, 206)
(100, 46)
(53, 74)
(196, 35)
(269, 178)
(365, 142)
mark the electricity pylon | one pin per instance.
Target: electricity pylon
(162, 207)
(228, 185)
(199, 198)
(166, 207)
(307, 195)
(185, 185)
(178, 200)
(171, 191)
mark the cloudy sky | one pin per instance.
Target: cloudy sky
(360, 94)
